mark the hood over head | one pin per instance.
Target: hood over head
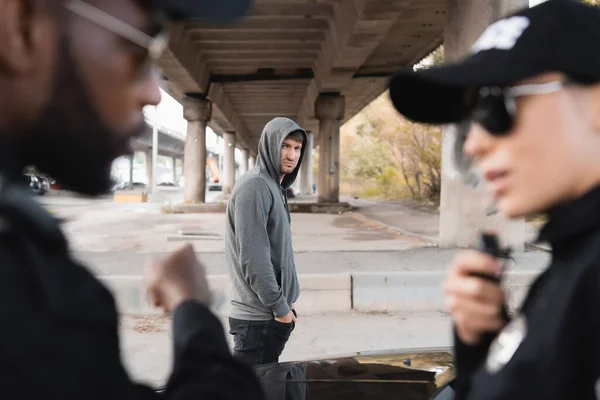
(269, 148)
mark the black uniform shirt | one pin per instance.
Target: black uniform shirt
(558, 356)
(58, 333)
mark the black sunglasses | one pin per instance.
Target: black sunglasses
(154, 45)
(496, 108)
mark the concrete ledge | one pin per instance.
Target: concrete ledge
(130, 197)
(322, 293)
(410, 291)
(200, 208)
(130, 296)
(320, 208)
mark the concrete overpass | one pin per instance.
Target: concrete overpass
(318, 62)
(170, 144)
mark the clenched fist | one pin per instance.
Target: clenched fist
(476, 304)
(177, 278)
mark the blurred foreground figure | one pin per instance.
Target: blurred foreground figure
(531, 89)
(74, 77)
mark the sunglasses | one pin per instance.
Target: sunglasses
(154, 45)
(496, 107)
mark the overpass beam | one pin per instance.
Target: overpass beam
(197, 112)
(462, 208)
(329, 110)
(306, 169)
(228, 162)
(245, 161)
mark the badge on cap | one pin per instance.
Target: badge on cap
(501, 35)
(506, 344)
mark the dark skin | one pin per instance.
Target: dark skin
(116, 94)
(31, 57)
(71, 103)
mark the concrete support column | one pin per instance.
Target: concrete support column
(174, 161)
(329, 110)
(251, 162)
(306, 169)
(197, 112)
(228, 162)
(131, 158)
(245, 161)
(149, 162)
(463, 208)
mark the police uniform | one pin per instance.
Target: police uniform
(59, 334)
(550, 348)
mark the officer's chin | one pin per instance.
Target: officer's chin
(511, 207)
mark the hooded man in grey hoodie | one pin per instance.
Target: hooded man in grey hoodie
(260, 258)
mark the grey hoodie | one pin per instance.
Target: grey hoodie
(258, 246)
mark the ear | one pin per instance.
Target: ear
(23, 30)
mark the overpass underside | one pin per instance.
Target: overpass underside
(318, 62)
(279, 60)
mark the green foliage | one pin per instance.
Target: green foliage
(384, 155)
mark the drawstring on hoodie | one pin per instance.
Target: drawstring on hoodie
(284, 191)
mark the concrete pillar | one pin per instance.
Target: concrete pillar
(197, 112)
(463, 208)
(149, 162)
(306, 169)
(131, 157)
(245, 160)
(174, 161)
(251, 162)
(228, 162)
(329, 110)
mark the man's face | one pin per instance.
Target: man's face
(551, 155)
(290, 155)
(92, 110)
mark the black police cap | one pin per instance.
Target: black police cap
(555, 36)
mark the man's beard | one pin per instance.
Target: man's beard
(70, 142)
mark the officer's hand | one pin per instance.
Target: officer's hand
(474, 303)
(175, 279)
(288, 319)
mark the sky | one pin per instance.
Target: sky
(170, 115)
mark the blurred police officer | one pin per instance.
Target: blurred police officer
(74, 77)
(531, 87)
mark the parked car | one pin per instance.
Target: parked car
(37, 184)
(418, 374)
(415, 374)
